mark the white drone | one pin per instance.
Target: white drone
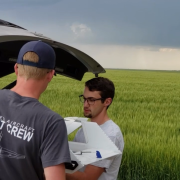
(98, 146)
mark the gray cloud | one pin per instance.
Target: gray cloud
(13, 4)
(139, 22)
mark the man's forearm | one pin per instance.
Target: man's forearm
(76, 176)
(55, 172)
(90, 173)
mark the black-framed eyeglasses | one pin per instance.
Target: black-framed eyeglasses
(89, 100)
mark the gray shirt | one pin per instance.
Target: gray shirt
(32, 137)
(111, 164)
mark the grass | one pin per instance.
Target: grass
(147, 109)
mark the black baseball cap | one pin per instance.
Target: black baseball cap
(46, 54)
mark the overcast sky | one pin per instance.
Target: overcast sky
(132, 34)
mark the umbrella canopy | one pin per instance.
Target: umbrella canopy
(70, 62)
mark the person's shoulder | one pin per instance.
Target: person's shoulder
(5, 95)
(111, 128)
(50, 113)
(45, 114)
(3, 92)
(113, 131)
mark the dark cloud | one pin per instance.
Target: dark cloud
(128, 22)
(139, 22)
(13, 4)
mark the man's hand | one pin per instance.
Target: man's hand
(55, 172)
(90, 173)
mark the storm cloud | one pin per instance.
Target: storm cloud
(140, 34)
(139, 22)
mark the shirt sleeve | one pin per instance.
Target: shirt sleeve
(55, 148)
(76, 136)
(105, 163)
(79, 137)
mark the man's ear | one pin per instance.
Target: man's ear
(108, 101)
(16, 69)
(50, 75)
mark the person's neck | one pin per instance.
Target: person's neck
(101, 118)
(28, 88)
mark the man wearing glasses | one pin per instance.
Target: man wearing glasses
(97, 97)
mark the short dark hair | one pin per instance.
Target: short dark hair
(104, 85)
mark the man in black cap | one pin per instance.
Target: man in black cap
(33, 143)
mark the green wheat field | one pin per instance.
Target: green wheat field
(147, 109)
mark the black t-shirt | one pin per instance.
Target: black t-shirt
(32, 137)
